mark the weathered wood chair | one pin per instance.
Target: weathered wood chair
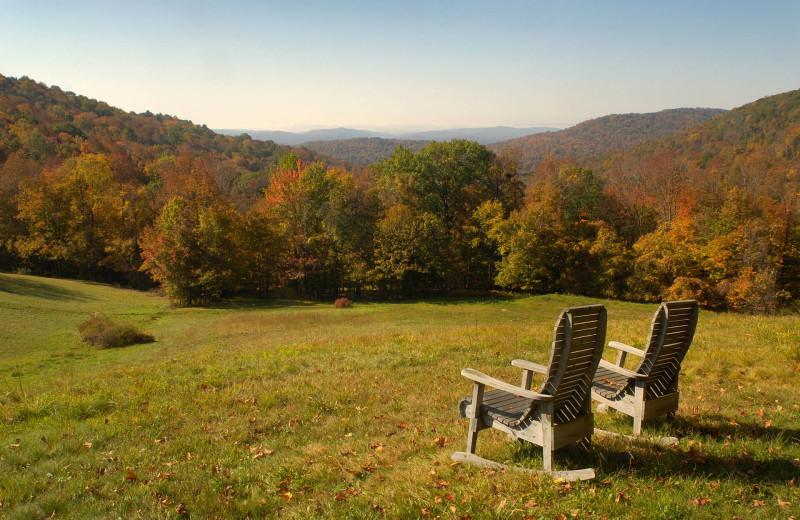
(560, 413)
(651, 389)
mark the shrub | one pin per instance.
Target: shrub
(685, 288)
(99, 331)
(752, 292)
(343, 303)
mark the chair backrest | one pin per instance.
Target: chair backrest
(578, 340)
(671, 335)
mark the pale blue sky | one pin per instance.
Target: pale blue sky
(369, 64)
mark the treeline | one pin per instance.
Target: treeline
(452, 216)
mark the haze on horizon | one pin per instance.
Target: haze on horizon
(412, 65)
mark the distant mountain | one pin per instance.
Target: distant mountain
(296, 138)
(482, 135)
(606, 134)
(363, 150)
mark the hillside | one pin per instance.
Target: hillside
(48, 124)
(363, 150)
(771, 124)
(604, 134)
(259, 408)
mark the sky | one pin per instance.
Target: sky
(403, 65)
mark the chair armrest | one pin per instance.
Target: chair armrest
(481, 378)
(619, 370)
(527, 365)
(626, 348)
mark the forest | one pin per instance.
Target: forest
(92, 192)
(605, 134)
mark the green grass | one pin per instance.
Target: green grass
(299, 410)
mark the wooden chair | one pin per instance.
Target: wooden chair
(560, 413)
(651, 389)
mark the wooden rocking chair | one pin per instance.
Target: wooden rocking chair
(560, 413)
(652, 388)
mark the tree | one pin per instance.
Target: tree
(410, 251)
(192, 250)
(67, 213)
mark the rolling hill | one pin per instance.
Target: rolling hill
(483, 135)
(363, 150)
(46, 125)
(605, 134)
(771, 123)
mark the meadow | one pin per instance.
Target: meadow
(295, 409)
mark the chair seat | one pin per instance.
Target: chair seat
(506, 408)
(609, 384)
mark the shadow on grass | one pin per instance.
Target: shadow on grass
(715, 426)
(710, 427)
(37, 289)
(647, 460)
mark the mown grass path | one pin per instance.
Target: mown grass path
(299, 410)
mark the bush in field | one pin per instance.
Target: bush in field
(343, 303)
(99, 331)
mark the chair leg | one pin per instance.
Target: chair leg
(547, 456)
(638, 407)
(547, 436)
(637, 424)
(472, 435)
(474, 413)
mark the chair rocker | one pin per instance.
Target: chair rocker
(651, 389)
(560, 413)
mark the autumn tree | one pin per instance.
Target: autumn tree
(67, 214)
(191, 250)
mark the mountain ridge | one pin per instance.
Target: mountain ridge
(605, 134)
(483, 135)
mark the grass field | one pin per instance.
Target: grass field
(299, 410)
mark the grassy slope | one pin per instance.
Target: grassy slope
(357, 407)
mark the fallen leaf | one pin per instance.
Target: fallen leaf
(87, 445)
(131, 476)
(262, 453)
(783, 503)
(440, 441)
